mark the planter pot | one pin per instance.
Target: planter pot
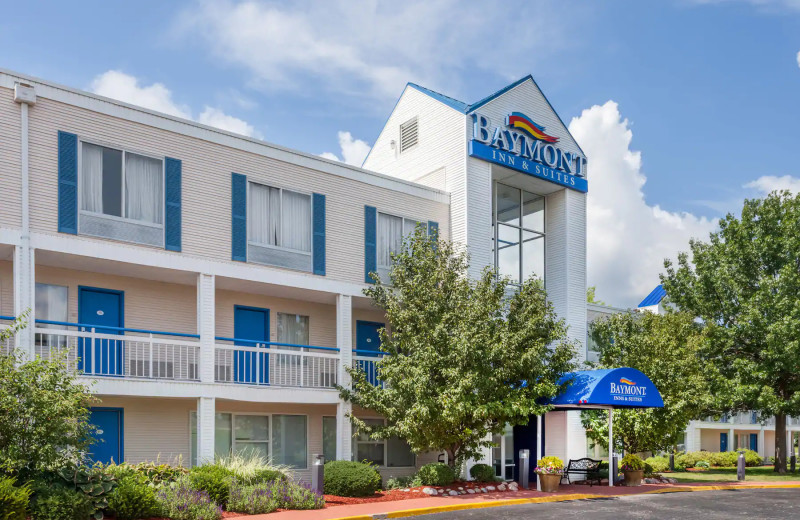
(550, 482)
(633, 478)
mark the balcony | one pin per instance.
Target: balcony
(141, 354)
(367, 360)
(275, 364)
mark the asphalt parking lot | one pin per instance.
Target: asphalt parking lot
(751, 503)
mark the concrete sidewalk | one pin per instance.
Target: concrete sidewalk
(439, 504)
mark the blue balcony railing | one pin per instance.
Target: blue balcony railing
(366, 360)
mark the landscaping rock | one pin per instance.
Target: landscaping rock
(453, 493)
(513, 486)
(430, 491)
(501, 487)
(490, 488)
(462, 492)
(483, 490)
(471, 491)
(406, 490)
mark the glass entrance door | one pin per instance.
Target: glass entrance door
(503, 454)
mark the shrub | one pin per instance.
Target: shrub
(648, 469)
(721, 459)
(61, 503)
(93, 482)
(214, 480)
(13, 500)
(482, 473)
(254, 499)
(299, 496)
(702, 464)
(252, 468)
(631, 462)
(262, 476)
(150, 472)
(752, 458)
(133, 499)
(689, 459)
(658, 464)
(400, 482)
(549, 466)
(351, 479)
(178, 501)
(436, 474)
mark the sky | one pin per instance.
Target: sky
(683, 107)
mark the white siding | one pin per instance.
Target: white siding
(6, 288)
(10, 162)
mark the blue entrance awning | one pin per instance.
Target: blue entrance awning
(615, 387)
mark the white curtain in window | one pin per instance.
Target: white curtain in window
(390, 237)
(292, 328)
(51, 303)
(264, 214)
(144, 198)
(92, 178)
(296, 223)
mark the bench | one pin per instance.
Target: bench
(588, 469)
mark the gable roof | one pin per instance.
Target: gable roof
(654, 298)
(465, 108)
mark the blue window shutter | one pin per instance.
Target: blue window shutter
(319, 233)
(370, 242)
(67, 183)
(433, 228)
(239, 217)
(173, 169)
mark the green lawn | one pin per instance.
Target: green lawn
(762, 473)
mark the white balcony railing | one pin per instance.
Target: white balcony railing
(275, 364)
(134, 354)
(7, 345)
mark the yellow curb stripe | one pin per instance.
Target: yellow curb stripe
(557, 498)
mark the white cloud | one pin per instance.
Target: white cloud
(215, 117)
(124, 87)
(627, 239)
(374, 47)
(354, 151)
(769, 183)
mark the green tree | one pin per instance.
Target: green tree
(744, 285)
(666, 349)
(465, 356)
(43, 413)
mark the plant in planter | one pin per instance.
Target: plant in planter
(550, 470)
(633, 468)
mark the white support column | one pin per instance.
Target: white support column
(539, 450)
(206, 321)
(206, 411)
(25, 295)
(344, 342)
(731, 440)
(761, 446)
(611, 476)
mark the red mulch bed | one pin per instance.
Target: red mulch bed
(380, 496)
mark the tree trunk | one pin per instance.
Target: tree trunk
(780, 443)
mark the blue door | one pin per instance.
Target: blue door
(754, 441)
(250, 329)
(103, 310)
(108, 446)
(723, 441)
(368, 340)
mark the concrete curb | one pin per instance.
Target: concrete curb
(562, 498)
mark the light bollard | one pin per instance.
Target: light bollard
(793, 462)
(613, 468)
(524, 468)
(672, 462)
(318, 474)
(740, 466)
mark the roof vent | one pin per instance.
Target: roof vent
(409, 135)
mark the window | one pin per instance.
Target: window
(249, 434)
(279, 218)
(116, 183)
(391, 232)
(329, 438)
(289, 442)
(392, 452)
(592, 349)
(51, 305)
(293, 329)
(518, 237)
(409, 134)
